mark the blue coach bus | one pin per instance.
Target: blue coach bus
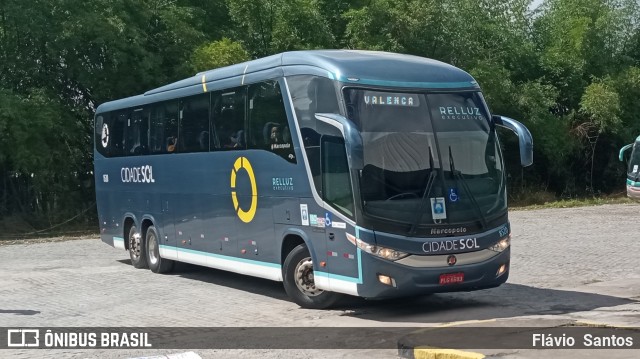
(336, 172)
(633, 169)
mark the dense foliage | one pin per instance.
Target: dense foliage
(568, 69)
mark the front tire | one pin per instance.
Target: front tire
(137, 249)
(297, 274)
(156, 263)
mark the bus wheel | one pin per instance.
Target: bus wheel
(136, 249)
(157, 264)
(299, 283)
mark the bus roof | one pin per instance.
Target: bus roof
(350, 66)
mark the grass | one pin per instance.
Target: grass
(61, 238)
(17, 228)
(574, 202)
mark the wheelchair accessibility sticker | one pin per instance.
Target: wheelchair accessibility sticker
(453, 195)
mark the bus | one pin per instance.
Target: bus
(633, 170)
(370, 174)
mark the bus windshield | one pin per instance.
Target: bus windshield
(429, 158)
(634, 161)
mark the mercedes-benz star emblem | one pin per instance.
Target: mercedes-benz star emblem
(451, 260)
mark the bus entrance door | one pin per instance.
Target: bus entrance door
(342, 258)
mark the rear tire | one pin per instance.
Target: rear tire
(297, 274)
(137, 249)
(156, 263)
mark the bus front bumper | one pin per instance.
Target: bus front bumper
(408, 281)
(633, 192)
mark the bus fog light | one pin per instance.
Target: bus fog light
(387, 280)
(501, 270)
(501, 245)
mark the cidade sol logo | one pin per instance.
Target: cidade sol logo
(142, 174)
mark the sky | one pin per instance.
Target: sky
(536, 3)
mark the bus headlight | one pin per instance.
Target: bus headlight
(501, 245)
(382, 252)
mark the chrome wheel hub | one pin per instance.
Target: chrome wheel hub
(304, 278)
(134, 245)
(152, 245)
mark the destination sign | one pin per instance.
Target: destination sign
(391, 99)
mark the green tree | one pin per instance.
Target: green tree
(600, 105)
(218, 54)
(272, 26)
(58, 61)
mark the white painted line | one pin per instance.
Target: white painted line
(185, 355)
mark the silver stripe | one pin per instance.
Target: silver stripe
(331, 122)
(244, 73)
(441, 260)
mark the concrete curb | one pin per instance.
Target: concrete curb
(409, 350)
(435, 353)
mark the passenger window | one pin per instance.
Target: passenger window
(194, 124)
(311, 95)
(336, 182)
(136, 142)
(116, 142)
(228, 119)
(164, 127)
(268, 125)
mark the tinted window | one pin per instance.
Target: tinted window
(136, 133)
(268, 125)
(228, 119)
(194, 124)
(634, 160)
(336, 182)
(311, 95)
(164, 127)
(116, 141)
(419, 147)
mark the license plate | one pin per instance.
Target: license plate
(451, 278)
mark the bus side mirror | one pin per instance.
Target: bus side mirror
(623, 150)
(352, 138)
(524, 137)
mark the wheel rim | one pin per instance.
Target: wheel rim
(134, 245)
(152, 245)
(304, 278)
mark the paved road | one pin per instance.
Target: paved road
(577, 264)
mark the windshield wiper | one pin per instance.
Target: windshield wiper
(456, 175)
(425, 194)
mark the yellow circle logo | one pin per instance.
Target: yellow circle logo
(245, 216)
